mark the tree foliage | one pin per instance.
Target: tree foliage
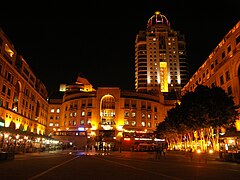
(205, 107)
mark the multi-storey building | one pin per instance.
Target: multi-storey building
(221, 68)
(160, 57)
(23, 97)
(83, 114)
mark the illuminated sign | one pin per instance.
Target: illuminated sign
(107, 127)
(143, 139)
(156, 139)
(81, 129)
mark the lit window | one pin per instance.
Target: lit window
(50, 124)
(89, 121)
(149, 124)
(126, 114)
(143, 124)
(134, 123)
(58, 110)
(133, 114)
(52, 110)
(74, 114)
(126, 122)
(83, 113)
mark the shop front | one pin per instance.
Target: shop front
(229, 144)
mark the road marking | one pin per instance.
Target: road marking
(54, 167)
(140, 169)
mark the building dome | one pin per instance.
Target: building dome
(158, 18)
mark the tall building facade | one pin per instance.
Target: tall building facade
(160, 57)
(221, 68)
(23, 98)
(23, 101)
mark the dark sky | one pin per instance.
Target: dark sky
(60, 39)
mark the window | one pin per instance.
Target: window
(8, 76)
(58, 110)
(149, 124)
(82, 122)
(221, 80)
(237, 39)
(223, 55)
(83, 113)
(133, 114)
(9, 92)
(90, 103)
(4, 89)
(126, 103)
(227, 76)
(155, 109)
(126, 114)
(89, 121)
(134, 123)
(52, 110)
(143, 124)
(229, 90)
(133, 103)
(83, 103)
(74, 123)
(89, 113)
(212, 66)
(229, 48)
(149, 116)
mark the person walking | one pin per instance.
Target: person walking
(164, 151)
(158, 152)
(191, 154)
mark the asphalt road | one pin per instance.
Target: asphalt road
(61, 165)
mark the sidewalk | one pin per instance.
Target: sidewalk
(170, 155)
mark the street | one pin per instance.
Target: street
(114, 165)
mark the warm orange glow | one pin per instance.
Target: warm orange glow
(163, 77)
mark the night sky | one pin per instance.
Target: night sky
(60, 39)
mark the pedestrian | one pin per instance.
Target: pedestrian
(191, 154)
(158, 152)
(164, 151)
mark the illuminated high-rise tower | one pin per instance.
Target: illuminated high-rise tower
(160, 57)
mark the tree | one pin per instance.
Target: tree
(200, 113)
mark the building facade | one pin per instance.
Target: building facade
(105, 116)
(23, 97)
(160, 57)
(221, 68)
